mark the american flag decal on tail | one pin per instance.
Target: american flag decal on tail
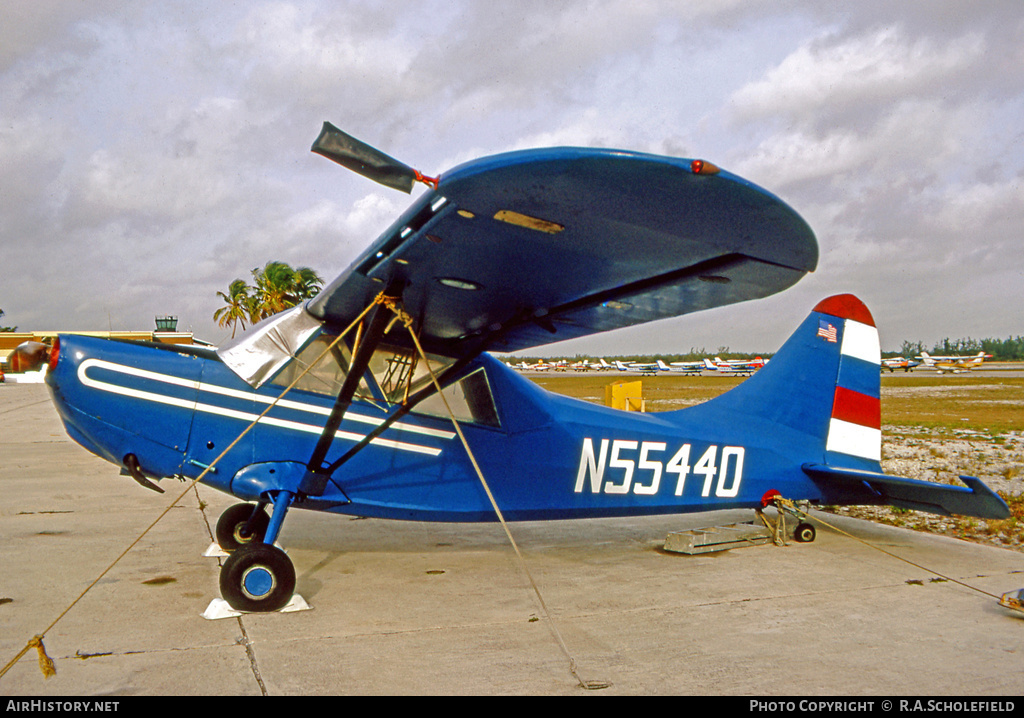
(827, 330)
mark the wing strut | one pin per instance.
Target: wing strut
(379, 322)
(409, 404)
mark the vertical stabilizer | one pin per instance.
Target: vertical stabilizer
(819, 394)
(817, 401)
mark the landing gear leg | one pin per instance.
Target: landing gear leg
(259, 576)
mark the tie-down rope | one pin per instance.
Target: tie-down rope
(784, 505)
(407, 321)
(45, 662)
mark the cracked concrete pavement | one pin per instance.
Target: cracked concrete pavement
(404, 608)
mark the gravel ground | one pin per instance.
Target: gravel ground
(937, 455)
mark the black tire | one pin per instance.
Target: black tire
(231, 523)
(805, 533)
(257, 578)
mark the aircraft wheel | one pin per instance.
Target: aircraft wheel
(804, 533)
(230, 525)
(257, 577)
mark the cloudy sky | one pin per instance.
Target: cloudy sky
(152, 152)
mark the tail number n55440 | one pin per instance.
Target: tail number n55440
(639, 467)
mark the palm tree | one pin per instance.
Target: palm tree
(277, 287)
(6, 329)
(239, 306)
(280, 286)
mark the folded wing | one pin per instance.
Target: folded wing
(538, 246)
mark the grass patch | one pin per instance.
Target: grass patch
(933, 404)
(980, 403)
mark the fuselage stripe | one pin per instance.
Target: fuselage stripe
(226, 412)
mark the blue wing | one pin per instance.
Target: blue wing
(527, 248)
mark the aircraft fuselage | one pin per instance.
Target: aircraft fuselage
(544, 456)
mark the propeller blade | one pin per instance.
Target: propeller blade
(28, 356)
(368, 161)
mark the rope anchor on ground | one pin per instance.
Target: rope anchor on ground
(805, 532)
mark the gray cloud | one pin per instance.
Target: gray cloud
(153, 152)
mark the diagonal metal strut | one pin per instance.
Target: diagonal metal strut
(378, 326)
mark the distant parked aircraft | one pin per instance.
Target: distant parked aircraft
(739, 367)
(900, 363)
(954, 364)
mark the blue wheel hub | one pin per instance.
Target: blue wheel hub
(258, 582)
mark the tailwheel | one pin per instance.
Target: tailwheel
(257, 577)
(804, 533)
(231, 527)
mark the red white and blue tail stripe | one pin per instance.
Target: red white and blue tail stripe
(855, 427)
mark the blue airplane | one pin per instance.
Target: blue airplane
(503, 253)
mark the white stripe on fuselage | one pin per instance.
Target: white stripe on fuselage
(248, 396)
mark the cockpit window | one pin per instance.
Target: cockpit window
(401, 372)
(470, 400)
(394, 374)
(325, 376)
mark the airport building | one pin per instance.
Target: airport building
(166, 332)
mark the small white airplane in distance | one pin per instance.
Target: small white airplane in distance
(739, 367)
(682, 367)
(635, 367)
(903, 363)
(954, 364)
(523, 366)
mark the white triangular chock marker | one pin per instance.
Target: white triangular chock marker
(219, 608)
(215, 551)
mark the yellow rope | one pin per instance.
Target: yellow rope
(37, 641)
(900, 558)
(407, 320)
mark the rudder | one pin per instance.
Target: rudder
(854, 437)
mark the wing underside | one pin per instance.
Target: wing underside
(534, 247)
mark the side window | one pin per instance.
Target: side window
(470, 400)
(400, 372)
(396, 374)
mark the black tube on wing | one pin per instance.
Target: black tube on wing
(359, 157)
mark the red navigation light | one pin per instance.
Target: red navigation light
(700, 167)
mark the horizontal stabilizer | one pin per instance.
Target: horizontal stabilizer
(975, 500)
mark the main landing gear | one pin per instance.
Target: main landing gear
(257, 576)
